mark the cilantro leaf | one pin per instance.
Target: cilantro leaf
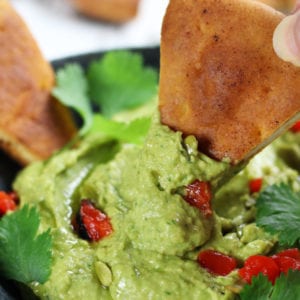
(286, 287)
(259, 289)
(72, 90)
(278, 212)
(119, 81)
(132, 132)
(24, 255)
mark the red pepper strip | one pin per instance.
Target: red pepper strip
(216, 263)
(7, 202)
(286, 263)
(198, 194)
(255, 185)
(292, 252)
(92, 224)
(296, 127)
(288, 259)
(259, 264)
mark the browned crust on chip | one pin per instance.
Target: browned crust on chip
(282, 5)
(220, 78)
(117, 11)
(32, 124)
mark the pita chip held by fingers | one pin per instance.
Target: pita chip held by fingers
(32, 124)
(220, 78)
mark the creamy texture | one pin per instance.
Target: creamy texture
(157, 236)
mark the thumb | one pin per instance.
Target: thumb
(286, 39)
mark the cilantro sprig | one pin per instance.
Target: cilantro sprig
(25, 256)
(119, 81)
(259, 289)
(114, 83)
(72, 90)
(286, 287)
(132, 132)
(278, 212)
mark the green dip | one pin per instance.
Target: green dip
(152, 252)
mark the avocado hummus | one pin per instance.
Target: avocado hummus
(152, 252)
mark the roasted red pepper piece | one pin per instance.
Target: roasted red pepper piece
(216, 263)
(292, 252)
(282, 262)
(296, 127)
(15, 197)
(259, 264)
(287, 259)
(8, 202)
(90, 223)
(255, 185)
(286, 263)
(198, 194)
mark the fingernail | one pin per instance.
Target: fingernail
(286, 39)
(297, 32)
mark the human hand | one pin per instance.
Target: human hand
(286, 38)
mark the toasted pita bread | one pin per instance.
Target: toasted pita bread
(116, 11)
(220, 78)
(32, 124)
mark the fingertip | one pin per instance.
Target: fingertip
(286, 39)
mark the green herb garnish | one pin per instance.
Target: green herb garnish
(115, 83)
(119, 81)
(278, 212)
(72, 90)
(286, 287)
(132, 132)
(24, 255)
